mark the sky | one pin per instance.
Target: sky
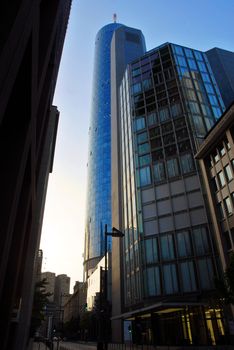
(200, 24)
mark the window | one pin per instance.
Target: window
(179, 123)
(144, 148)
(145, 160)
(221, 179)
(191, 95)
(201, 241)
(170, 150)
(202, 66)
(206, 273)
(142, 137)
(176, 110)
(167, 127)
(182, 134)
(178, 50)
(184, 146)
(228, 206)
(159, 171)
(186, 161)
(220, 210)
(188, 276)
(154, 132)
(228, 172)
(216, 157)
(227, 240)
(205, 77)
(157, 155)
(151, 251)
(152, 118)
(169, 139)
(214, 184)
(136, 88)
(170, 279)
(145, 176)
(181, 61)
(198, 55)
(194, 108)
(139, 123)
(199, 125)
(183, 244)
(153, 281)
(213, 99)
(217, 112)
(167, 247)
(156, 143)
(172, 167)
(136, 71)
(209, 88)
(163, 114)
(206, 110)
(147, 84)
(188, 53)
(192, 64)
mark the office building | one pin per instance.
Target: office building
(50, 284)
(98, 212)
(76, 304)
(168, 101)
(216, 158)
(222, 65)
(32, 35)
(61, 289)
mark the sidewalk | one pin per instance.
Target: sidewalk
(39, 346)
(77, 346)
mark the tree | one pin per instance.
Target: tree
(39, 304)
(225, 286)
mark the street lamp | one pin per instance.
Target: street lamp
(114, 233)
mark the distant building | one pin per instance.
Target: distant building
(216, 158)
(95, 283)
(38, 265)
(61, 290)
(168, 101)
(222, 64)
(32, 36)
(50, 284)
(76, 304)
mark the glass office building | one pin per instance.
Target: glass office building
(169, 101)
(98, 211)
(222, 64)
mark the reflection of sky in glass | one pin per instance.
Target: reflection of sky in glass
(99, 166)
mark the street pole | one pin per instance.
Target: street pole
(104, 307)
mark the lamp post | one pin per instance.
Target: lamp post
(114, 233)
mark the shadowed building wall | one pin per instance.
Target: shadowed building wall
(32, 35)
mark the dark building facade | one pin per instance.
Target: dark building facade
(216, 158)
(222, 64)
(98, 211)
(169, 100)
(32, 35)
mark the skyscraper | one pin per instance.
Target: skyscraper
(169, 100)
(98, 212)
(222, 64)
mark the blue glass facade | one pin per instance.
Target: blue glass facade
(98, 212)
(222, 64)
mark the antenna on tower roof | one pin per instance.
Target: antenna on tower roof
(114, 17)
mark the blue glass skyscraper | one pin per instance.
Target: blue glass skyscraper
(98, 211)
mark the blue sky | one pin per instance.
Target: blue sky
(200, 24)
